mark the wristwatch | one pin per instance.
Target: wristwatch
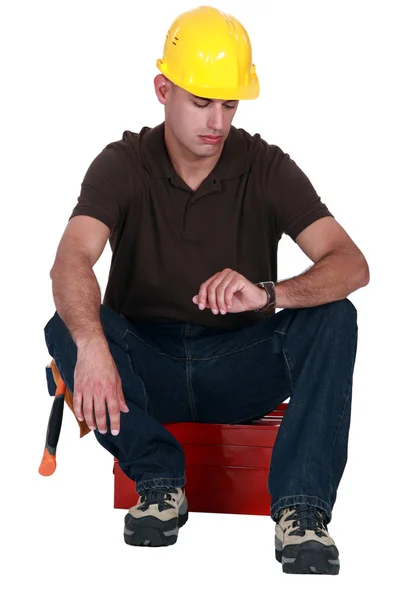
(269, 287)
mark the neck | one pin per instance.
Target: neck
(190, 168)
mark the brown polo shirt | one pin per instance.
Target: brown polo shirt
(167, 239)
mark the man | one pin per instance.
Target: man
(194, 209)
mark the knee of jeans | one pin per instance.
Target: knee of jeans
(338, 313)
(341, 314)
(345, 307)
(52, 325)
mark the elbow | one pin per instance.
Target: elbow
(363, 272)
(366, 280)
(54, 269)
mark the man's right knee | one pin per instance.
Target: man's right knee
(55, 328)
(114, 327)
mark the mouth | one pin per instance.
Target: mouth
(211, 139)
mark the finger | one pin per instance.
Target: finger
(122, 403)
(202, 306)
(234, 286)
(202, 295)
(99, 403)
(88, 408)
(212, 291)
(196, 301)
(77, 403)
(221, 291)
(114, 413)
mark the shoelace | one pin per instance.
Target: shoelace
(307, 517)
(157, 496)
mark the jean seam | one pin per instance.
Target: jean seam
(129, 356)
(283, 498)
(188, 370)
(286, 361)
(289, 370)
(151, 347)
(303, 495)
(340, 421)
(146, 399)
(110, 332)
(194, 358)
(235, 351)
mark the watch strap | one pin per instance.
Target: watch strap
(269, 287)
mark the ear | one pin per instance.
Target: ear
(162, 87)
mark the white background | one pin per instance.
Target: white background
(75, 75)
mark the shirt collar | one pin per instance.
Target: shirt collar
(233, 161)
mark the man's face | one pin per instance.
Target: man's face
(191, 119)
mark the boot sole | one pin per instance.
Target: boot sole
(150, 531)
(309, 558)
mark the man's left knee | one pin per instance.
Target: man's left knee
(344, 307)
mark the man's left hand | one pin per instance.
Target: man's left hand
(229, 292)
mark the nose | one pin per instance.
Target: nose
(215, 117)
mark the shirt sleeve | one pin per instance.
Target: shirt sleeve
(294, 198)
(105, 188)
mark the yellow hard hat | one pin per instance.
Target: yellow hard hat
(208, 53)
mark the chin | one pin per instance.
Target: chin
(208, 149)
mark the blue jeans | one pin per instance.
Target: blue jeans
(178, 372)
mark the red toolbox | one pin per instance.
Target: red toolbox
(226, 467)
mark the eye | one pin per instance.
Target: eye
(228, 106)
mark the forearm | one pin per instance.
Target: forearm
(332, 278)
(77, 298)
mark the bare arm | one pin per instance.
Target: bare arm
(97, 384)
(75, 288)
(339, 267)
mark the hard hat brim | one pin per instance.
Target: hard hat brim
(248, 92)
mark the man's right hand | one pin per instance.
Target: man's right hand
(97, 386)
